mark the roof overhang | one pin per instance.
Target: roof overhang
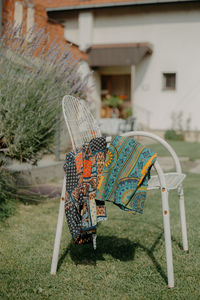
(117, 54)
(114, 4)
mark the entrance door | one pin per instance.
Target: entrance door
(117, 86)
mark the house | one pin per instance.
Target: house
(145, 50)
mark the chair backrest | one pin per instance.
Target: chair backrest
(80, 122)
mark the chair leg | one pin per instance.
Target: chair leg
(167, 234)
(166, 224)
(58, 230)
(183, 219)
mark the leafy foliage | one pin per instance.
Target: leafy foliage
(113, 101)
(7, 193)
(173, 135)
(33, 80)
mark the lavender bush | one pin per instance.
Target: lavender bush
(7, 193)
(33, 79)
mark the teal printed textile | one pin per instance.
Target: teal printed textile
(126, 173)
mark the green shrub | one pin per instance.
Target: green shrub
(7, 194)
(33, 81)
(173, 135)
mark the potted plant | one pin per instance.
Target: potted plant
(112, 105)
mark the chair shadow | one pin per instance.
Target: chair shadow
(179, 244)
(173, 239)
(119, 248)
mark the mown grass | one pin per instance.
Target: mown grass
(129, 262)
(182, 148)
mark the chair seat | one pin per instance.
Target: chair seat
(173, 180)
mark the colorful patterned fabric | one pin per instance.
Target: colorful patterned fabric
(83, 171)
(125, 175)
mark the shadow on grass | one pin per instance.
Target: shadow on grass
(119, 248)
(179, 244)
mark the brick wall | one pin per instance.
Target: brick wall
(64, 3)
(54, 29)
(7, 11)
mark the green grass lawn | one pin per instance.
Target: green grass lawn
(182, 148)
(129, 262)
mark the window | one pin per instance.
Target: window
(169, 81)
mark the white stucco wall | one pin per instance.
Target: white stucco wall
(93, 86)
(72, 29)
(85, 21)
(174, 35)
(30, 21)
(18, 16)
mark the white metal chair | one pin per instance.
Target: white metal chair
(82, 128)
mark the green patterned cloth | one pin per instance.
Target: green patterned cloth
(125, 175)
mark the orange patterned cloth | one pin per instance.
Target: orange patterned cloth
(87, 169)
(79, 162)
(83, 172)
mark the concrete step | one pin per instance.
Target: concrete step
(47, 170)
(39, 192)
